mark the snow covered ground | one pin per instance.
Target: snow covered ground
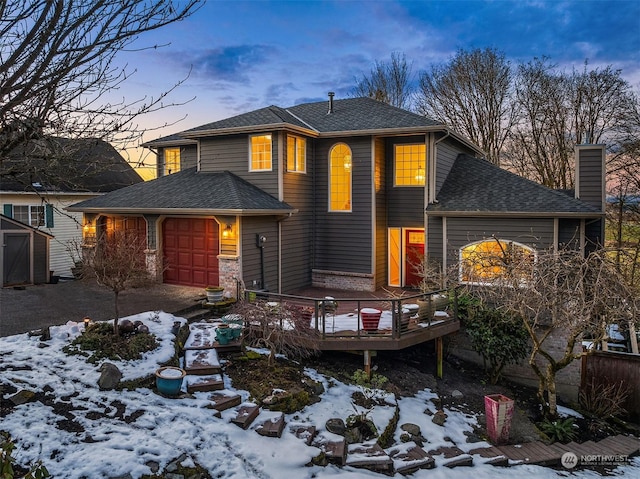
(166, 428)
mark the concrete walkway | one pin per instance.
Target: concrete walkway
(53, 304)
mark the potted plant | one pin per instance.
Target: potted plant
(214, 294)
(169, 380)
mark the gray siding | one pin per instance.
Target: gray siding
(40, 259)
(569, 233)
(590, 186)
(251, 264)
(446, 153)
(343, 240)
(188, 157)
(381, 213)
(433, 248)
(536, 233)
(405, 203)
(232, 154)
(297, 231)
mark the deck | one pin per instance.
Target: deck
(344, 323)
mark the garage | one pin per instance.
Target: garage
(190, 247)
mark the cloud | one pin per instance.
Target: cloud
(232, 63)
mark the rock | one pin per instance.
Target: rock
(22, 397)
(412, 429)
(316, 387)
(143, 328)
(405, 437)
(336, 426)
(153, 466)
(126, 326)
(439, 417)
(456, 394)
(110, 376)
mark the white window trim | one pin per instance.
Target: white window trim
(251, 169)
(42, 221)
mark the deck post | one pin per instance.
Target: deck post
(439, 356)
(367, 363)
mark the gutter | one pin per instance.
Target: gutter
(182, 211)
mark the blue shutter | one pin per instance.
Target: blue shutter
(8, 210)
(48, 216)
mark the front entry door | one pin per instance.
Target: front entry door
(414, 256)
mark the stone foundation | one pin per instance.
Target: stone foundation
(343, 280)
(229, 273)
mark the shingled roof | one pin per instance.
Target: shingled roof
(476, 187)
(54, 164)
(191, 192)
(353, 115)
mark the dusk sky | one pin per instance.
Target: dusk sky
(245, 55)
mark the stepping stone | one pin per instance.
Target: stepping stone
(493, 456)
(410, 457)
(304, 432)
(204, 383)
(272, 427)
(232, 347)
(335, 450)
(369, 456)
(453, 457)
(201, 336)
(223, 400)
(202, 362)
(245, 415)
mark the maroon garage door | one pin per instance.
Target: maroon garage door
(191, 248)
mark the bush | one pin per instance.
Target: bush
(559, 430)
(8, 468)
(499, 338)
(99, 342)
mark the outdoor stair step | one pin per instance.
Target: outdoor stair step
(493, 455)
(306, 432)
(204, 383)
(272, 427)
(202, 362)
(621, 444)
(369, 456)
(201, 336)
(335, 450)
(223, 400)
(407, 460)
(231, 347)
(452, 456)
(532, 453)
(246, 414)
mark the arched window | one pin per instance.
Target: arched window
(486, 261)
(340, 166)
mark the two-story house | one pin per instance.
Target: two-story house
(347, 194)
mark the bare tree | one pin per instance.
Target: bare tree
(119, 263)
(57, 68)
(562, 295)
(473, 95)
(282, 328)
(557, 110)
(389, 82)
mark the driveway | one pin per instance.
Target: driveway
(53, 304)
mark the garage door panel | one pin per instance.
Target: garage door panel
(191, 249)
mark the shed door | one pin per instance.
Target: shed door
(17, 264)
(191, 248)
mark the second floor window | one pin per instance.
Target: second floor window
(296, 154)
(260, 153)
(171, 161)
(340, 166)
(410, 165)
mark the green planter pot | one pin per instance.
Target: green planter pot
(169, 380)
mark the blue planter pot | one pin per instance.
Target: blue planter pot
(169, 380)
(224, 335)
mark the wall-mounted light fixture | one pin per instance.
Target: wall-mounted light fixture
(420, 174)
(347, 162)
(227, 232)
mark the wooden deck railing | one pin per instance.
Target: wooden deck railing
(327, 310)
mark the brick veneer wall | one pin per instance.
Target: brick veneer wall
(343, 280)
